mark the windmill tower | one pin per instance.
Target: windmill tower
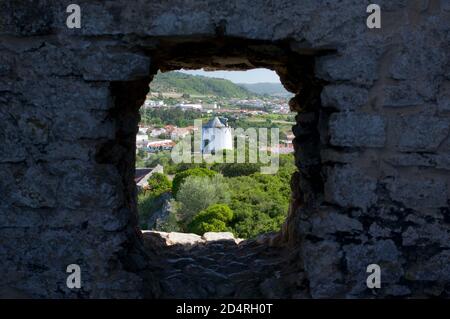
(216, 136)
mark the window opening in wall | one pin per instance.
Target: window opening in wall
(237, 127)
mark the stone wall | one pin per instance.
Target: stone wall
(372, 137)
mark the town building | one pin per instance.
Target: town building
(181, 132)
(186, 106)
(142, 175)
(141, 137)
(157, 132)
(153, 103)
(157, 146)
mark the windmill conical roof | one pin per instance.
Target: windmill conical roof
(214, 123)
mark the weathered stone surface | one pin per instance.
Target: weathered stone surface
(377, 231)
(68, 94)
(402, 95)
(344, 97)
(212, 236)
(435, 268)
(426, 234)
(383, 253)
(219, 268)
(332, 222)
(11, 149)
(89, 187)
(349, 187)
(443, 99)
(419, 192)
(351, 67)
(421, 133)
(174, 238)
(36, 189)
(397, 291)
(82, 124)
(115, 66)
(322, 262)
(355, 130)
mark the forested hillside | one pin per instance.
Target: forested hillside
(197, 85)
(273, 89)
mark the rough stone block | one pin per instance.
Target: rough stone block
(84, 186)
(443, 100)
(357, 130)
(322, 261)
(11, 147)
(344, 97)
(48, 60)
(424, 233)
(411, 64)
(8, 173)
(401, 95)
(213, 236)
(375, 230)
(37, 189)
(61, 151)
(115, 66)
(419, 192)
(7, 62)
(174, 238)
(358, 66)
(350, 187)
(67, 94)
(383, 253)
(19, 18)
(74, 125)
(330, 222)
(435, 268)
(422, 133)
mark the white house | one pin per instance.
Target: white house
(190, 106)
(141, 136)
(153, 103)
(157, 132)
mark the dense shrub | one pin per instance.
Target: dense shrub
(215, 219)
(158, 183)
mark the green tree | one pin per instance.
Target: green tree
(180, 177)
(158, 184)
(237, 169)
(198, 192)
(215, 218)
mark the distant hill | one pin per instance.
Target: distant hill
(274, 89)
(178, 82)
